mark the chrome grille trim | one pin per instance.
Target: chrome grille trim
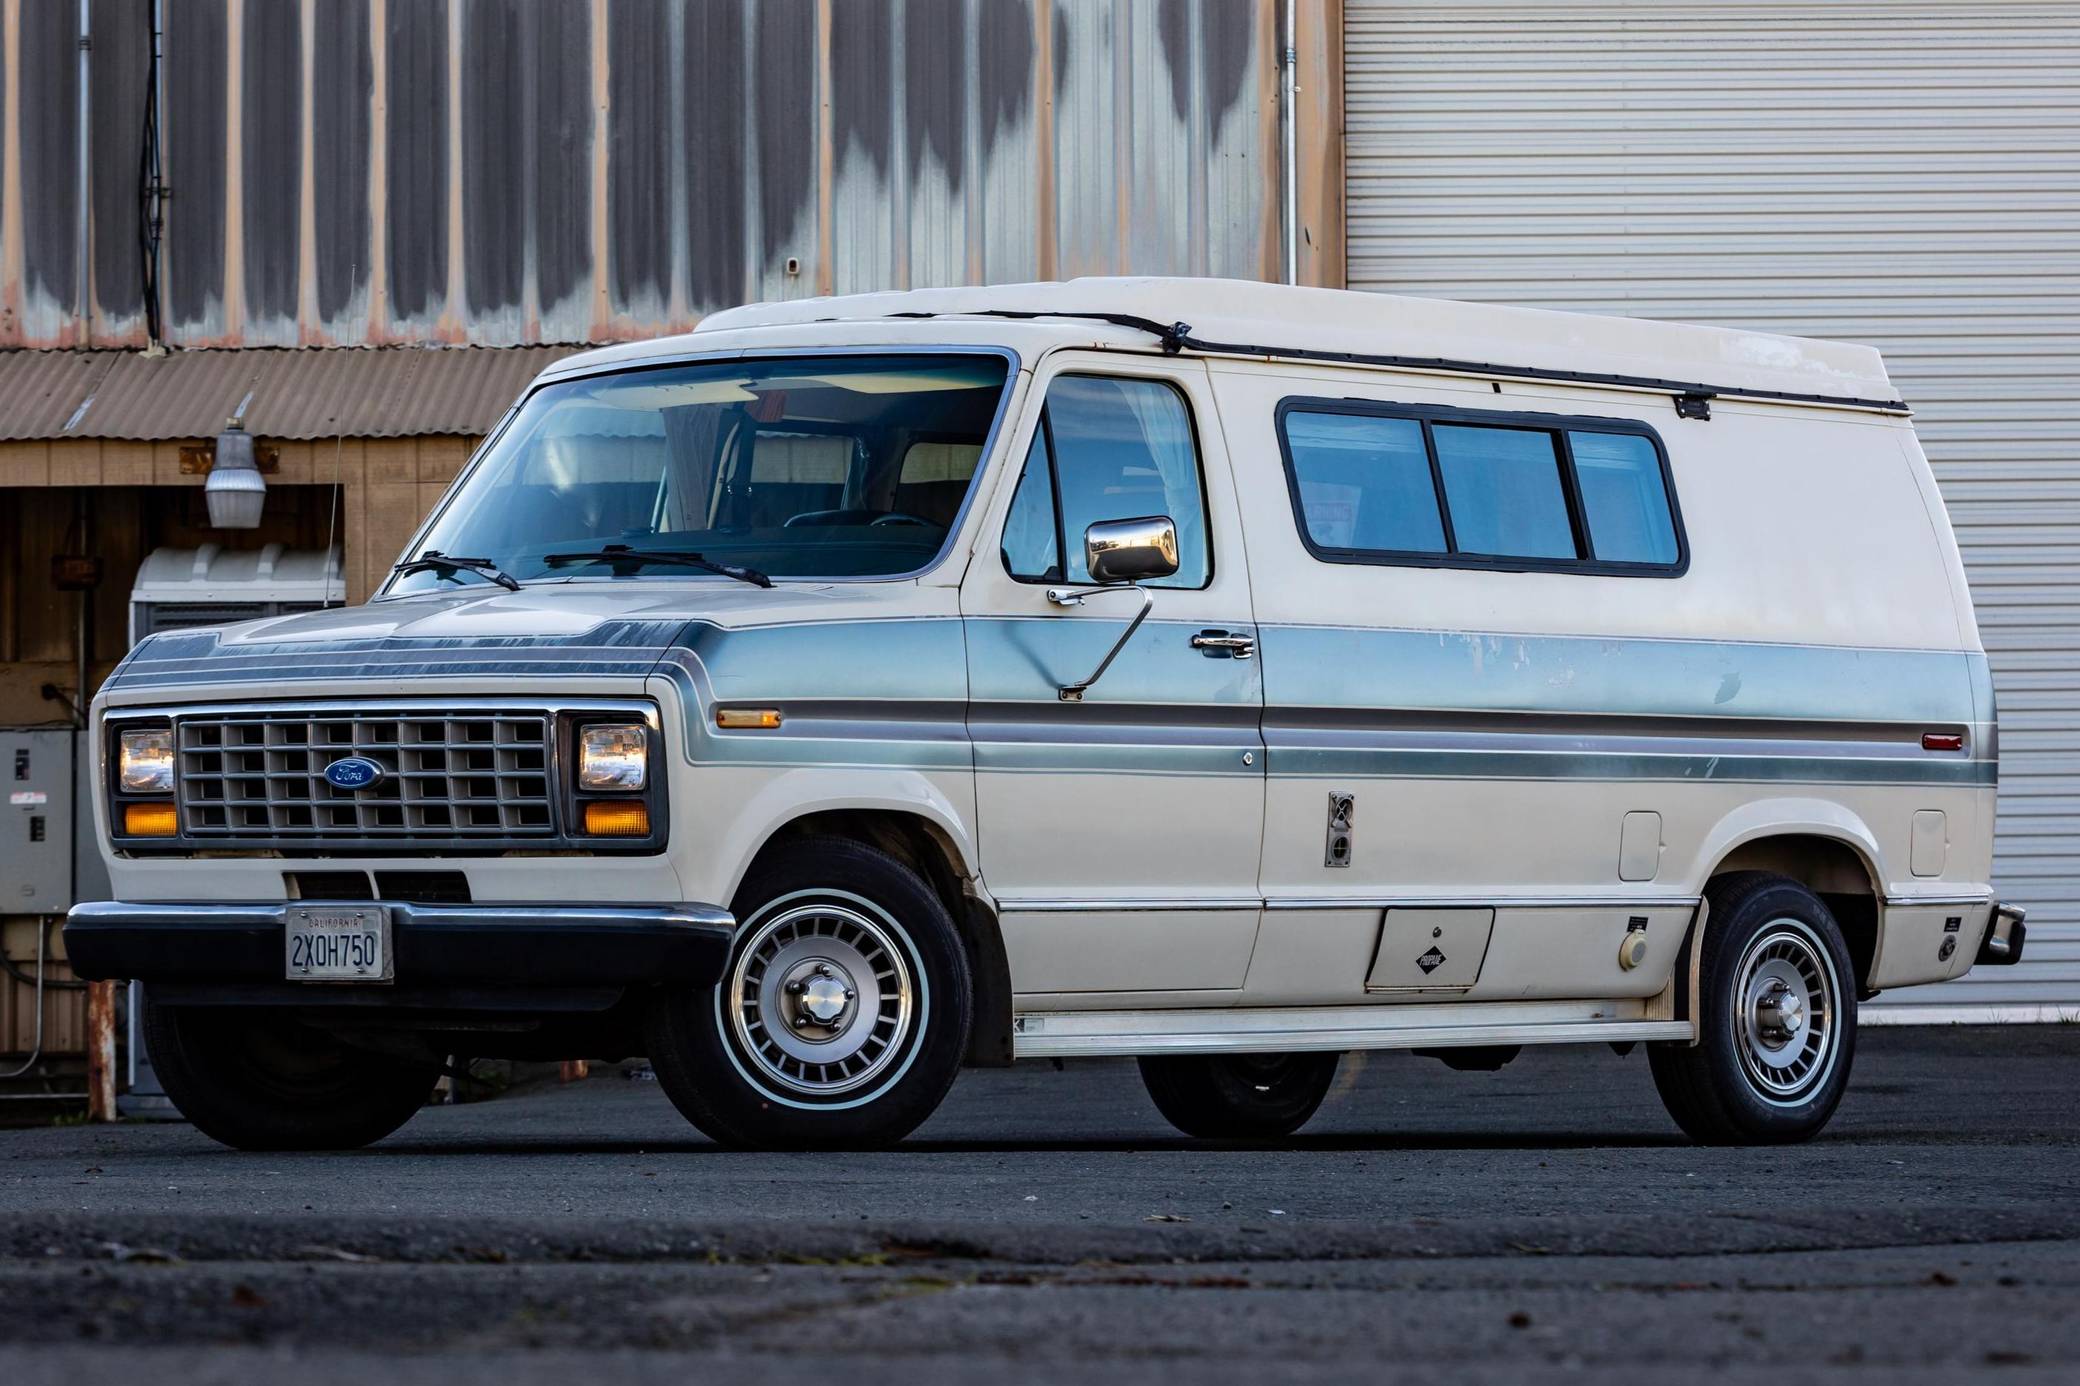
(552, 715)
(449, 774)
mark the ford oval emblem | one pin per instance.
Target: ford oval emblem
(354, 772)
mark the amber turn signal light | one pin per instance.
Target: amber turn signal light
(150, 820)
(616, 819)
(747, 718)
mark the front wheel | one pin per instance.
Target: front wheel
(843, 1013)
(1238, 1096)
(258, 1080)
(1777, 1022)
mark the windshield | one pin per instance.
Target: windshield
(803, 467)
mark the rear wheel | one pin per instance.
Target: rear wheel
(259, 1080)
(1777, 1022)
(1218, 1096)
(842, 1016)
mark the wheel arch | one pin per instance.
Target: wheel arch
(929, 848)
(1821, 846)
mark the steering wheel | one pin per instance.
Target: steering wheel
(897, 517)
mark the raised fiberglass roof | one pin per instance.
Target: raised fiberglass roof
(1329, 322)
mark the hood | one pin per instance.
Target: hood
(554, 630)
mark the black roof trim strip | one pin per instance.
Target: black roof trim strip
(1177, 336)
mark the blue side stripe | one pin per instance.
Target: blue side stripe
(941, 693)
(1340, 667)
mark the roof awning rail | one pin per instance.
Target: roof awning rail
(1177, 337)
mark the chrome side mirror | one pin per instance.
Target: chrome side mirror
(1131, 550)
(1120, 554)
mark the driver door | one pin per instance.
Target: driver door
(1120, 832)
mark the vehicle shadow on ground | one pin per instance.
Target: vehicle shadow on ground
(1337, 1143)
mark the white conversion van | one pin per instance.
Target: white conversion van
(1221, 674)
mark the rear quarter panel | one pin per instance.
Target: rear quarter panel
(1498, 726)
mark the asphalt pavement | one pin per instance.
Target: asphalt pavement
(1545, 1222)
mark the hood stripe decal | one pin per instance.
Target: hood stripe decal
(183, 658)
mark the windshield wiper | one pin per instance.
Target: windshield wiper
(443, 564)
(626, 560)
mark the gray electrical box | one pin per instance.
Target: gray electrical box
(37, 822)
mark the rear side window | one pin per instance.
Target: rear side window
(1624, 497)
(1364, 483)
(1431, 487)
(1505, 493)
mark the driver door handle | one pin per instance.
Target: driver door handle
(1220, 644)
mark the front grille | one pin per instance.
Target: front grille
(447, 776)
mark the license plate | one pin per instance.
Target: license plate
(337, 943)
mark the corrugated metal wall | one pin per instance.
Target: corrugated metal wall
(516, 171)
(1905, 174)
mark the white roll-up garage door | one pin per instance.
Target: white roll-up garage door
(1904, 174)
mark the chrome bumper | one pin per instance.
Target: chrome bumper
(2002, 946)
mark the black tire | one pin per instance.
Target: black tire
(1239, 1096)
(812, 904)
(258, 1080)
(1752, 1079)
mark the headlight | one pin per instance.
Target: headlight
(613, 758)
(144, 761)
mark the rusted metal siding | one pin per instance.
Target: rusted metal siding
(42, 96)
(197, 58)
(341, 121)
(122, 52)
(410, 207)
(269, 145)
(503, 172)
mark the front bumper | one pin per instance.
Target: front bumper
(550, 947)
(2005, 936)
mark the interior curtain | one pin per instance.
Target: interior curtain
(693, 439)
(1167, 433)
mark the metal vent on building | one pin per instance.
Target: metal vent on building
(1903, 174)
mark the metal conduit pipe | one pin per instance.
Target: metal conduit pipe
(83, 635)
(1289, 137)
(154, 190)
(83, 271)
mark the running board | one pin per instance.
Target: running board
(1286, 1029)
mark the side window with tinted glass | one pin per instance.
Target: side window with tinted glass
(1439, 487)
(1365, 483)
(1624, 498)
(1503, 490)
(1107, 449)
(1032, 531)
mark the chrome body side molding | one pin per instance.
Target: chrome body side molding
(1368, 902)
(1286, 1029)
(1134, 906)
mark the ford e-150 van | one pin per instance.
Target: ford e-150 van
(1225, 675)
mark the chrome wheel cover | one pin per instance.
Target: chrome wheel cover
(1786, 1017)
(822, 1000)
